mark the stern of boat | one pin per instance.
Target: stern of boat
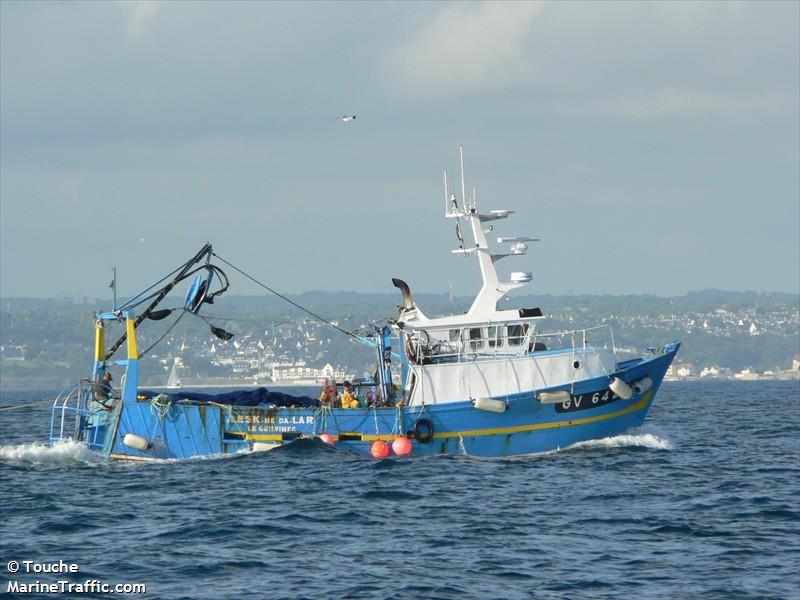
(77, 416)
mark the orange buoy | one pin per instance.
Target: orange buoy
(327, 438)
(401, 446)
(379, 449)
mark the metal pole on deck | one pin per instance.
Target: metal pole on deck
(114, 285)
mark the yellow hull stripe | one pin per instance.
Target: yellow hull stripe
(264, 437)
(552, 425)
(641, 404)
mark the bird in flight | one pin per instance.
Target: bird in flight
(347, 118)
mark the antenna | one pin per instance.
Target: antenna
(451, 184)
(114, 285)
(463, 193)
(446, 197)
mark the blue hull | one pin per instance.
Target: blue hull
(186, 430)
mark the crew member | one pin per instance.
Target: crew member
(349, 399)
(104, 387)
(328, 395)
(103, 391)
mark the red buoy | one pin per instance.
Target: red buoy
(379, 449)
(327, 438)
(401, 446)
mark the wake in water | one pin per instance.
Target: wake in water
(646, 436)
(64, 454)
(73, 454)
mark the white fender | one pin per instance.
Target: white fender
(554, 397)
(620, 388)
(137, 442)
(489, 404)
(643, 385)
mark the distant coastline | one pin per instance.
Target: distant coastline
(756, 377)
(725, 335)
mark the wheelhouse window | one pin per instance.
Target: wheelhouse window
(455, 335)
(516, 333)
(475, 335)
(492, 336)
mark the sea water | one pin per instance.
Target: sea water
(701, 502)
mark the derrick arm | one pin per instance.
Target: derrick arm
(204, 252)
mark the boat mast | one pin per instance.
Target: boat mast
(493, 289)
(463, 192)
(446, 196)
(486, 298)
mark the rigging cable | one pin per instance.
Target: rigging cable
(15, 406)
(140, 297)
(292, 302)
(204, 252)
(171, 327)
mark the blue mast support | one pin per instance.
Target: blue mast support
(95, 420)
(130, 386)
(131, 363)
(383, 346)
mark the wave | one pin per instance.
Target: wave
(67, 453)
(647, 436)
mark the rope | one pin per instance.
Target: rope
(204, 252)
(171, 327)
(335, 422)
(273, 322)
(138, 298)
(152, 437)
(398, 422)
(229, 412)
(375, 413)
(26, 405)
(319, 419)
(161, 405)
(292, 302)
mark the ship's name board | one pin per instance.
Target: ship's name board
(584, 401)
(262, 423)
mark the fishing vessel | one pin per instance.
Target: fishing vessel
(489, 382)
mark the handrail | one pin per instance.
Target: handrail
(74, 400)
(436, 344)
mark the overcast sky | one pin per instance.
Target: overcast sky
(654, 147)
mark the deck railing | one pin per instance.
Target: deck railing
(76, 415)
(491, 340)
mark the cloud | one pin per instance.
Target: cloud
(687, 105)
(677, 102)
(141, 14)
(467, 47)
(607, 61)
